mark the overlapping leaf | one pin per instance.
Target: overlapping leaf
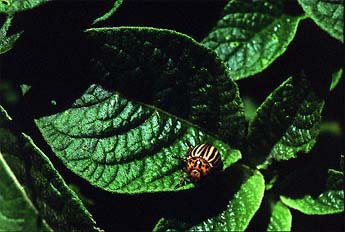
(58, 205)
(329, 15)
(170, 71)
(329, 201)
(12, 6)
(7, 42)
(237, 215)
(123, 146)
(17, 212)
(281, 218)
(286, 123)
(251, 35)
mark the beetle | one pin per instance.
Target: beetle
(201, 161)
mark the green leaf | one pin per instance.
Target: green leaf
(107, 15)
(249, 108)
(336, 78)
(56, 203)
(17, 212)
(329, 15)
(12, 6)
(251, 35)
(7, 42)
(170, 71)
(281, 218)
(329, 201)
(286, 123)
(330, 127)
(238, 213)
(123, 146)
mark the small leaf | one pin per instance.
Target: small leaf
(17, 212)
(330, 127)
(281, 218)
(329, 15)
(122, 146)
(329, 201)
(107, 15)
(7, 42)
(12, 6)
(286, 123)
(336, 78)
(56, 203)
(251, 35)
(249, 108)
(172, 72)
(235, 217)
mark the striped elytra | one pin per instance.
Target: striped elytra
(202, 160)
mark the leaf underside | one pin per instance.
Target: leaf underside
(122, 146)
(251, 35)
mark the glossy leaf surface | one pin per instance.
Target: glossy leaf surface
(123, 146)
(251, 35)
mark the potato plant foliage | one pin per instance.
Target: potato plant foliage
(99, 98)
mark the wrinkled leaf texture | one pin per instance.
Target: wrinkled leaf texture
(286, 123)
(237, 215)
(251, 35)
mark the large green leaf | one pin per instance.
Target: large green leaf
(281, 218)
(17, 212)
(117, 4)
(329, 15)
(170, 71)
(12, 6)
(237, 215)
(7, 42)
(286, 123)
(56, 203)
(251, 35)
(329, 201)
(123, 146)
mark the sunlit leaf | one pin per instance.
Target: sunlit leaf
(123, 146)
(286, 123)
(12, 6)
(235, 217)
(170, 71)
(329, 201)
(281, 218)
(7, 42)
(329, 15)
(107, 15)
(251, 35)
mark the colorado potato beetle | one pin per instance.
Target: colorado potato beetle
(201, 161)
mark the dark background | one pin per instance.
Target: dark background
(48, 53)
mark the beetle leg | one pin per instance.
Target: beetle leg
(190, 147)
(182, 182)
